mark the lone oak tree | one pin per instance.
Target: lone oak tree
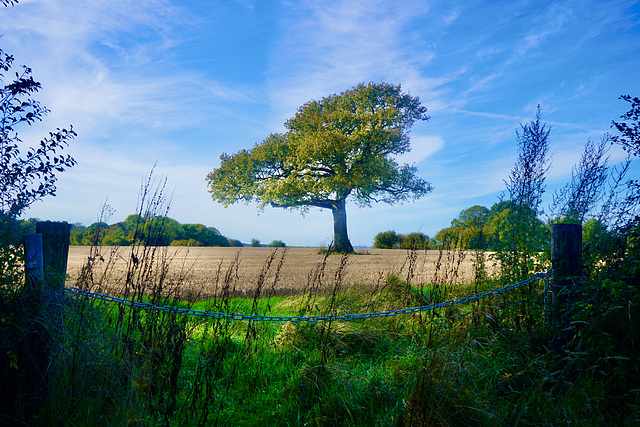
(341, 146)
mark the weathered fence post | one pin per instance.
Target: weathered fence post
(46, 254)
(566, 261)
(55, 251)
(34, 264)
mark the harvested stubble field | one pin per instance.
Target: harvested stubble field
(201, 271)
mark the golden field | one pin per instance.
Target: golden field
(202, 271)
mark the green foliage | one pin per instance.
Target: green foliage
(599, 246)
(415, 241)
(76, 233)
(629, 127)
(342, 146)
(186, 242)
(159, 368)
(11, 256)
(470, 230)
(392, 240)
(605, 314)
(387, 240)
(207, 236)
(519, 234)
(29, 315)
(115, 236)
(255, 243)
(94, 233)
(444, 237)
(157, 231)
(277, 244)
(25, 179)
(235, 243)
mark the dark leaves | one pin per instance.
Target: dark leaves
(26, 179)
(629, 127)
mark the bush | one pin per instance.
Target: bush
(387, 240)
(415, 241)
(186, 242)
(235, 243)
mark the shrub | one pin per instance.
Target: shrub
(387, 240)
(186, 242)
(415, 241)
(235, 243)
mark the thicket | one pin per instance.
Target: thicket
(392, 240)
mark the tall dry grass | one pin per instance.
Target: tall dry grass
(205, 265)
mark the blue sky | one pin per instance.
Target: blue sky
(177, 83)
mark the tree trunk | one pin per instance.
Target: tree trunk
(341, 241)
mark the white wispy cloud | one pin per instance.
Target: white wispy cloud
(331, 46)
(422, 147)
(101, 63)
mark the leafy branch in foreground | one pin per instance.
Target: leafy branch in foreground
(29, 331)
(630, 138)
(25, 179)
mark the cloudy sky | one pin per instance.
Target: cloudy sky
(178, 82)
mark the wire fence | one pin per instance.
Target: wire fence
(328, 318)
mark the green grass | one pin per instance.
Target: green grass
(367, 372)
(481, 363)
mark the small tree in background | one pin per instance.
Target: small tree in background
(415, 241)
(387, 240)
(277, 244)
(471, 228)
(255, 243)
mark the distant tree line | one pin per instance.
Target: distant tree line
(158, 230)
(481, 228)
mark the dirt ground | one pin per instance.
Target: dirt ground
(205, 269)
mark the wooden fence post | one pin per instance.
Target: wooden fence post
(34, 264)
(566, 260)
(55, 251)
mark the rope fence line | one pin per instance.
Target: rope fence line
(328, 318)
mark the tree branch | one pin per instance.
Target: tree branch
(323, 203)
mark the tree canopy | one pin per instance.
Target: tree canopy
(340, 147)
